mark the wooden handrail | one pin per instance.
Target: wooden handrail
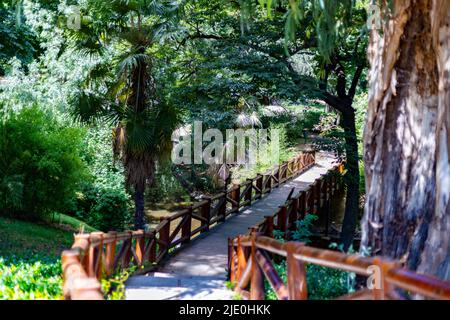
(392, 275)
(259, 245)
(97, 255)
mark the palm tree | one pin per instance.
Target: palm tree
(122, 89)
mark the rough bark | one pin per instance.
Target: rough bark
(406, 138)
(436, 254)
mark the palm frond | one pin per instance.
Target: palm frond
(88, 107)
(130, 61)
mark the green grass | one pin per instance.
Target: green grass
(22, 238)
(70, 223)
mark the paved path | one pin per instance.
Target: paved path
(199, 270)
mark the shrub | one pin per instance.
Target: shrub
(106, 209)
(40, 167)
(31, 278)
(102, 202)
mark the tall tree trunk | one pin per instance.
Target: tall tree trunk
(139, 162)
(351, 179)
(139, 172)
(139, 208)
(406, 140)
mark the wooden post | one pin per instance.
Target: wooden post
(206, 213)
(152, 249)
(277, 177)
(140, 246)
(248, 194)
(233, 258)
(85, 258)
(302, 162)
(241, 263)
(187, 226)
(293, 214)
(222, 210)
(86, 289)
(283, 172)
(382, 292)
(323, 192)
(296, 274)
(236, 196)
(282, 218)
(257, 280)
(110, 252)
(164, 235)
(259, 185)
(327, 205)
(315, 197)
(295, 167)
(270, 183)
(310, 200)
(230, 259)
(127, 254)
(302, 205)
(96, 254)
(269, 226)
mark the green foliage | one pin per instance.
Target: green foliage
(323, 283)
(102, 200)
(326, 283)
(326, 21)
(360, 105)
(28, 279)
(16, 40)
(41, 165)
(114, 287)
(103, 208)
(303, 231)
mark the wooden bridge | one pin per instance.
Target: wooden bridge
(195, 249)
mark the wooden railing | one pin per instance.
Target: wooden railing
(251, 263)
(313, 200)
(250, 258)
(98, 254)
